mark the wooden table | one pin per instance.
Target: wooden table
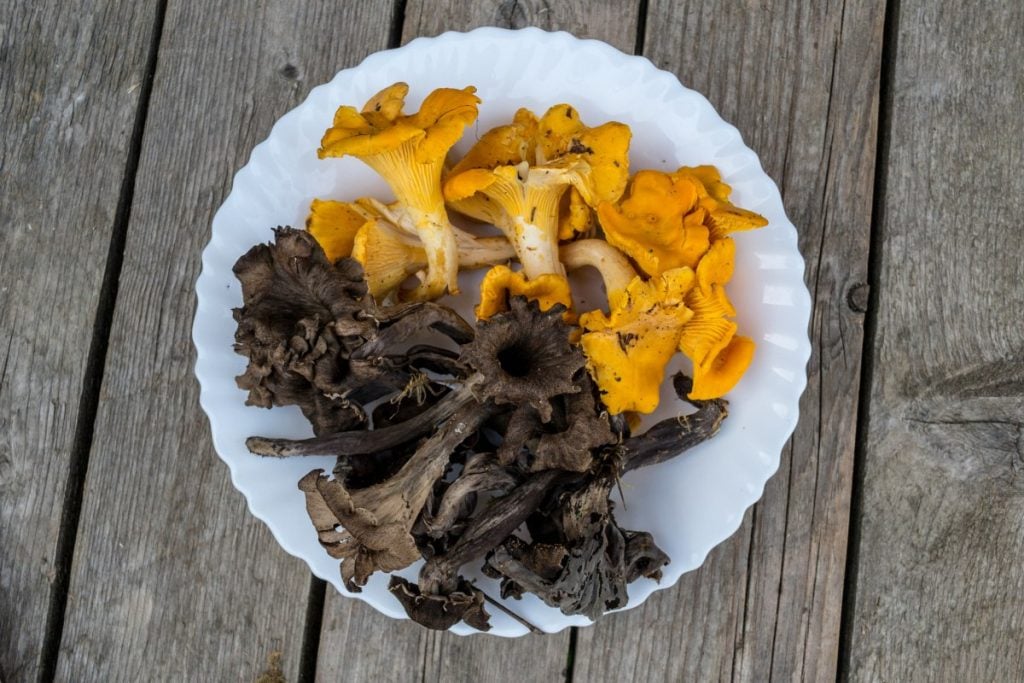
(890, 544)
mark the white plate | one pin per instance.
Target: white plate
(691, 503)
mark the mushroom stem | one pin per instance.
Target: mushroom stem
(670, 437)
(440, 574)
(482, 252)
(613, 265)
(417, 186)
(537, 248)
(442, 255)
(362, 442)
(485, 250)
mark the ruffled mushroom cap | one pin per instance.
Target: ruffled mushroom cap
(718, 377)
(627, 350)
(502, 283)
(717, 265)
(525, 356)
(507, 145)
(604, 148)
(300, 317)
(558, 134)
(380, 128)
(722, 216)
(408, 151)
(375, 521)
(709, 178)
(444, 610)
(334, 225)
(388, 256)
(659, 224)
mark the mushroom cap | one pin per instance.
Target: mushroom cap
(501, 283)
(506, 145)
(525, 357)
(717, 265)
(381, 127)
(442, 611)
(387, 257)
(722, 217)
(557, 150)
(659, 224)
(627, 350)
(718, 377)
(710, 180)
(562, 135)
(375, 534)
(334, 225)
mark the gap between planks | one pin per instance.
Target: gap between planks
(88, 402)
(890, 32)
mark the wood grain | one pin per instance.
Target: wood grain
(69, 92)
(172, 578)
(613, 21)
(940, 579)
(800, 81)
(442, 656)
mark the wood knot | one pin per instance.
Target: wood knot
(857, 297)
(289, 71)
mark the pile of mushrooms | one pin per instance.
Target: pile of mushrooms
(498, 443)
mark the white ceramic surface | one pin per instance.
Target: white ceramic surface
(691, 503)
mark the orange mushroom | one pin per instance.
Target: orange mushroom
(658, 224)
(409, 151)
(516, 176)
(722, 216)
(501, 282)
(628, 349)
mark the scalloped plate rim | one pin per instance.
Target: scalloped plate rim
(205, 278)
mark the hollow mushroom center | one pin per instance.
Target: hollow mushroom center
(515, 360)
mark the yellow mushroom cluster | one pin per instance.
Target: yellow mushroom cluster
(562, 197)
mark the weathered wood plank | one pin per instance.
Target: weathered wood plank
(613, 21)
(940, 582)
(172, 578)
(70, 82)
(800, 80)
(442, 656)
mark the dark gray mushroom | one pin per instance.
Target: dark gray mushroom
(298, 320)
(482, 473)
(525, 356)
(376, 521)
(670, 437)
(583, 428)
(440, 588)
(588, 570)
(370, 441)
